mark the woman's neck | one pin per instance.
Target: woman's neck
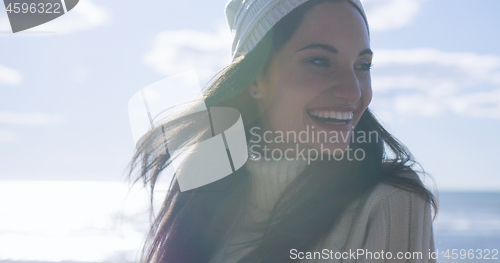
(270, 178)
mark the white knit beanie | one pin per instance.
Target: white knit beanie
(250, 20)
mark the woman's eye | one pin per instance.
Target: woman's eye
(320, 62)
(365, 66)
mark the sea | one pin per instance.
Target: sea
(469, 224)
(69, 221)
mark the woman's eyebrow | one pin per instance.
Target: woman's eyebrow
(321, 46)
(366, 51)
(333, 49)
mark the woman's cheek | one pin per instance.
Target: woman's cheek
(367, 94)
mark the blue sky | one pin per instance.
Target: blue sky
(65, 85)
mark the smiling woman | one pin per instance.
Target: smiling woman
(297, 66)
(320, 76)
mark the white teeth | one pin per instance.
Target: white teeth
(340, 115)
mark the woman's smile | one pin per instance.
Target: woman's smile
(331, 119)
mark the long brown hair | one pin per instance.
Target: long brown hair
(191, 225)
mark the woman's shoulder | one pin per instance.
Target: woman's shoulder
(384, 199)
(386, 212)
(395, 199)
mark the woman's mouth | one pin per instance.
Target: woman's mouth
(332, 117)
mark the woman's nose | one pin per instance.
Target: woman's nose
(345, 87)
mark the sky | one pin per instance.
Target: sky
(65, 85)
(65, 137)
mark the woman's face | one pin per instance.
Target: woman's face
(318, 81)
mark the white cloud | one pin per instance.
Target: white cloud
(86, 15)
(80, 73)
(465, 60)
(391, 14)
(478, 104)
(7, 136)
(34, 118)
(434, 70)
(9, 76)
(424, 105)
(177, 51)
(430, 82)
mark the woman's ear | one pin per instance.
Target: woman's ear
(255, 90)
